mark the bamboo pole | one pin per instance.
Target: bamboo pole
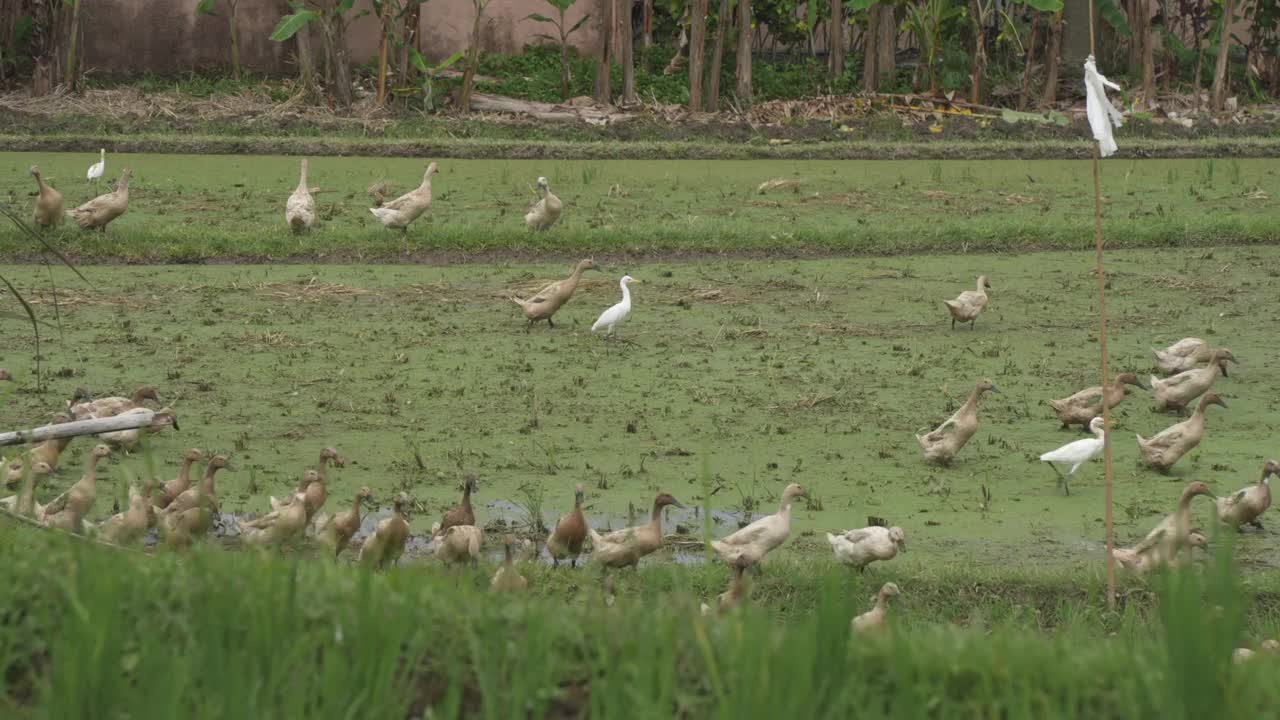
(128, 421)
(1102, 341)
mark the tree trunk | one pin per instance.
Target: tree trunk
(334, 31)
(717, 57)
(744, 53)
(1219, 92)
(385, 25)
(1025, 94)
(1052, 60)
(1148, 59)
(235, 39)
(409, 39)
(72, 75)
(1075, 32)
(628, 56)
(473, 58)
(306, 64)
(648, 24)
(870, 52)
(604, 93)
(835, 41)
(1133, 12)
(979, 53)
(697, 41)
(565, 78)
(887, 44)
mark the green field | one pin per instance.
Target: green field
(193, 207)
(816, 372)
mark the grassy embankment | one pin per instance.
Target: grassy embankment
(188, 208)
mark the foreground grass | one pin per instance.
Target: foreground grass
(90, 631)
(187, 208)
(749, 374)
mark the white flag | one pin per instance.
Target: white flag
(1102, 114)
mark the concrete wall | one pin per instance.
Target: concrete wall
(166, 36)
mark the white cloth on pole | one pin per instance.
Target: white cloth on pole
(1102, 114)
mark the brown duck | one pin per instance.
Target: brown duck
(172, 489)
(385, 544)
(48, 210)
(459, 514)
(567, 539)
(941, 446)
(1166, 448)
(100, 211)
(551, 298)
(335, 531)
(1084, 406)
(204, 492)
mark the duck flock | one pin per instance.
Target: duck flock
(182, 511)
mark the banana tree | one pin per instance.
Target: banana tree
(332, 16)
(559, 23)
(205, 7)
(980, 14)
(429, 74)
(926, 20)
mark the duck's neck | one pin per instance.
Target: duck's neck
(466, 496)
(302, 179)
(355, 505)
(507, 560)
(982, 286)
(90, 476)
(206, 483)
(972, 403)
(656, 520)
(784, 507)
(184, 473)
(40, 183)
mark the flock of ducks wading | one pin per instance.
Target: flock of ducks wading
(299, 211)
(183, 512)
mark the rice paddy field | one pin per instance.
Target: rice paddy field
(792, 336)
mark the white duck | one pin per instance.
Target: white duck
(398, 213)
(864, 546)
(546, 211)
(97, 169)
(762, 536)
(1181, 356)
(614, 316)
(1076, 453)
(969, 304)
(1246, 507)
(300, 210)
(876, 619)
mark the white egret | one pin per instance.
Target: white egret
(97, 169)
(1076, 453)
(614, 316)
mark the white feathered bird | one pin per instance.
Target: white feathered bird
(300, 210)
(614, 316)
(863, 546)
(97, 169)
(1076, 453)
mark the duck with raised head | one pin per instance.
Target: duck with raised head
(1077, 453)
(129, 527)
(1175, 393)
(204, 492)
(1174, 531)
(313, 490)
(738, 592)
(861, 547)
(762, 536)
(110, 406)
(281, 527)
(402, 211)
(613, 318)
(300, 209)
(546, 211)
(570, 533)
(69, 510)
(624, 548)
(877, 618)
(1167, 447)
(48, 210)
(463, 514)
(102, 210)
(968, 305)
(335, 531)
(24, 503)
(384, 546)
(166, 493)
(1084, 406)
(548, 301)
(1246, 507)
(286, 510)
(508, 577)
(943, 444)
(1181, 356)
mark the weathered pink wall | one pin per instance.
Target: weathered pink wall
(166, 36)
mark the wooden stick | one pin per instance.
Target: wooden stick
(1102, 341)
(81, 427)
